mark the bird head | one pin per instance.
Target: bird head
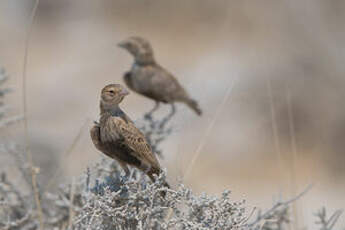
(140, 48)
(113, 94)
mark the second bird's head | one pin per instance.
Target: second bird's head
(139, 47)
(113, 94)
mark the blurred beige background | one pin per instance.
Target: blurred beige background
(294, 47)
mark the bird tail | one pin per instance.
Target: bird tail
(193, 104)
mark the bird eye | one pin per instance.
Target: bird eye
(111, 91)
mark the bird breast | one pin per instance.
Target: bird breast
(141, 78)
(108, 131)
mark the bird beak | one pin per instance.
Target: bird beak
(124, 92)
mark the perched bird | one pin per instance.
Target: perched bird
(148, 78)
(117, 137)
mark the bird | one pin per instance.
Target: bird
(149, 79)
(116, 135)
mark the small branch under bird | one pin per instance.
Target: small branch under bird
(148, 78)
(116, 136)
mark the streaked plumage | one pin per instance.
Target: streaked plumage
(148, 78)
(117, 137)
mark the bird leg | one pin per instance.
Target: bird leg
(125, 168)
(148, 116)
(167, 118)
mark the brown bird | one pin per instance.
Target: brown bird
(148, 78)
(117, 137)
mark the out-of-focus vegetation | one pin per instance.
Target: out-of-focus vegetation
(287, 57)
(103, 199)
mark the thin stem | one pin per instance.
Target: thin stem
(294, 154)
(278, 205)
(207, 133)
(275, 131)
(33, 170)
(71, 208)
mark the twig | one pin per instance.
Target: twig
(16, 152)
(156, 131)
(334, 218)
(33, 170)
(245, 219)
(278, 205)
(18, 223)
(71, 210)
(327, 224)
(11, 189)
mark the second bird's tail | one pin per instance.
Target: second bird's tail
(193, 104)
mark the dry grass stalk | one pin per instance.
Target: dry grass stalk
(33, 170)
(71, 209)
(209, 128)
(294, 156)
(275, 132)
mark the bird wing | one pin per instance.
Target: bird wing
(95, 137)
(163, 84)
(113, 149)
(135, 140)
